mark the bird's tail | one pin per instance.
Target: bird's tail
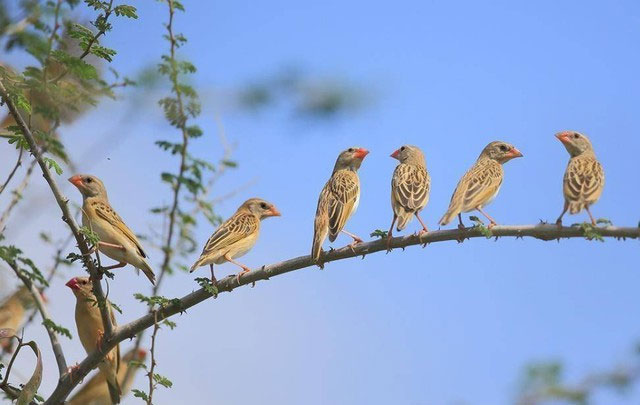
(148, 271)
(576, 206)
(403, 219)
(319, 235)
(448, 216)
(114, 390)
(197, 264)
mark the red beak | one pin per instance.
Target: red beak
(142, 353)
(563, 137)
(73, 284)
(273, 211)
(395, 154)
(514, 153)
(361, 153)
(76, 180)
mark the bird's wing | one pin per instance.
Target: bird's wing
(584, 179)
(343, 192)
(236, 228)
(104, 211)
(410, 186)
(479, 184)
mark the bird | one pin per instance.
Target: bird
(338, 201)
(410, 186)
(236, 236)
(12, 312)
(117, 241)
(481, 183)
(91, 331)
(584, 177)
(95, 391)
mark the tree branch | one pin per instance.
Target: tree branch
(544, 232)
(66, 213)
(13, 171)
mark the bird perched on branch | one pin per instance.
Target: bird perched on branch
(410, 186)
(236, 236)
(584, 178)
(480, 184)
(12, 312)
(91, 331)
(95, 391)
(117, 241)
(338, 200)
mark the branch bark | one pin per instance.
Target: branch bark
(66, 213)
(544, 232)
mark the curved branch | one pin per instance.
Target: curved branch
(13, 171)
(542, 231)
(66, 213)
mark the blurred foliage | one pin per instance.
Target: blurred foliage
(545, 383)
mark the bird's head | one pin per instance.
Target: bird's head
(575, 143)
(261, 208)
(408, 154)
(89, 186)
(351, 158)
(500, 151)
(80, 286)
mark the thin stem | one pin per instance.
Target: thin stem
(13, 358)
(47, 58)
(13, 171)
(152, 384)
(543, 232)
(17, 196)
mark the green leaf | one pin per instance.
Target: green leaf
(479, 225)
(126, 11)
(52, 164)
(162, 380)
(75, 65)
(49, 324)
(379, 234)
(206, 285)
(140, 394)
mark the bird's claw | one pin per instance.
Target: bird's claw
(491, 225)
(244, 271)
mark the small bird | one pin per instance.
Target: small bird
(117, 241)
(236, 236)
(95, 391)
(12, 312)
(410, 186)
(480, 184)
(91, 331)
(584, 178)
(338, 200)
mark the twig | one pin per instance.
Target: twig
(53, 337)
(56, 25)
(66, 213)
(152, 351)
(17, 195)
(13, 171)
(131, 329)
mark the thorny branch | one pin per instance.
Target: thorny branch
(543, 232)
(13, 171)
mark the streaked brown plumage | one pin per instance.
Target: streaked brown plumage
(410, 186)
(95, 391)
(91, 331)
(236, 236)
(480, 184)
(12, 312)
(338, 200)
(584, 178)
(117, 241)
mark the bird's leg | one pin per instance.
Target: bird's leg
(492, 223)
(424, 227)
(356, 239)
(115, 266)
(593, 221)
(390, 233)
(564, 210)
(245, 269)
(213, 277)
(460, 225)
(111, 245)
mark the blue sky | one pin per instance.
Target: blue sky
(449, 324)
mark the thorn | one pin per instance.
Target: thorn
(363, 257)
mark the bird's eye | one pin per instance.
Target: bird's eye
(83, 282)
(263, 206)
(350, 150)
(576, 135)
(88, 179)
(403, 148)
(504, 148)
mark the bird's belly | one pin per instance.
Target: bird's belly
(239, 249)
(355, 205)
